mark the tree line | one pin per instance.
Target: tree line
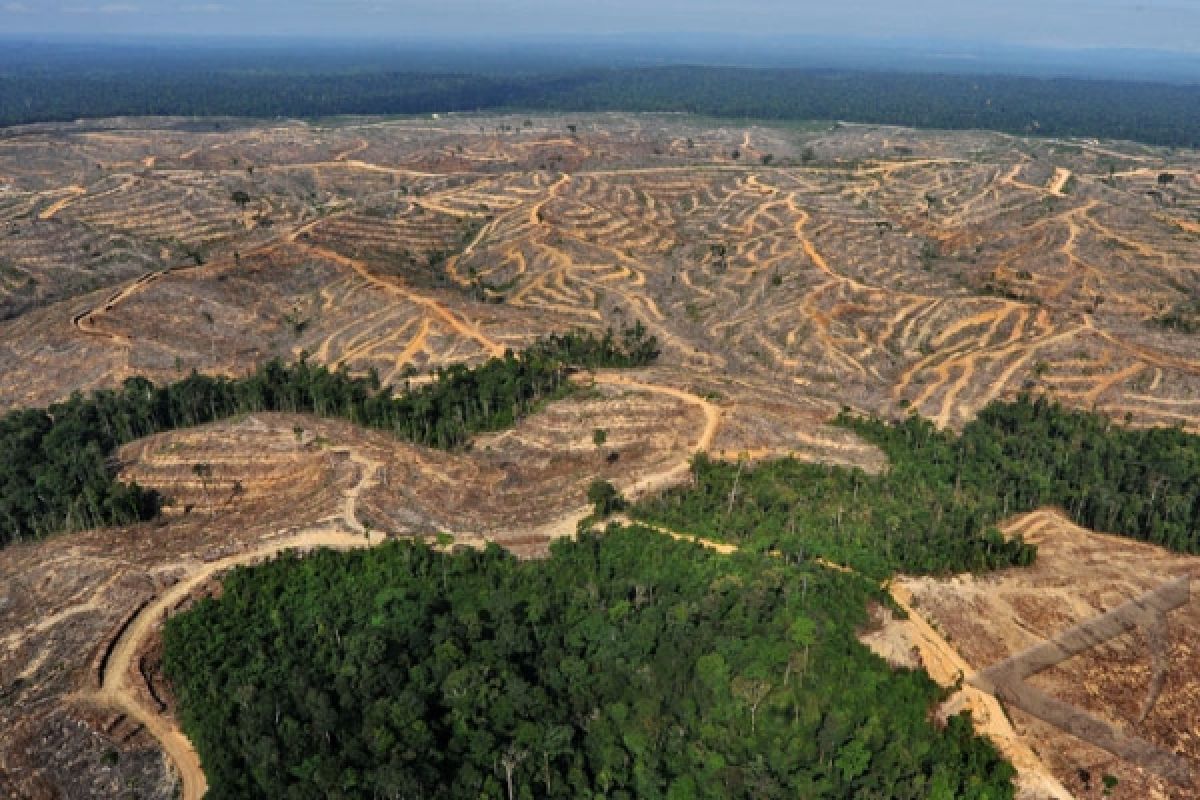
(935, 507)
(626, 665)
(59, 474)
(1156, 113)
(1143, 483)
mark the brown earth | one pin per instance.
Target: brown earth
(895, 271)
(1079, 575)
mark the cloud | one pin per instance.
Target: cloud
(107, 8)
(15, 8)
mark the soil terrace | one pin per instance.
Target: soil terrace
(879, 268)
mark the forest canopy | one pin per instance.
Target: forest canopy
(935, 507)
(1155, 113)
(626, 665)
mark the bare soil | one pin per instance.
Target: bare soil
(896, 270)
(1079, 575)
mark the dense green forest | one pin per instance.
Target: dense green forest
(934, 508)
(58, 474)
(1157, 113)
(627, 665)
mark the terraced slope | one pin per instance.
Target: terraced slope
(787, 273)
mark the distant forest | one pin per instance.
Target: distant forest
(1155, 113)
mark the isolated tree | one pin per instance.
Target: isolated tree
(235, 491)
(1165, 179)
(604, 497)
(241, 198)
(204, 472)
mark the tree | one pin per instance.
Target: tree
(853, 760)
(801, 633)
(754, 691)
(204, 472)
(604, 497)
(555, 741)
(241, 198)
(512, 758)
(599, 437)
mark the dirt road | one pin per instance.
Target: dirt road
(116, 690)
(947, 667)
(470, 331)
(343, 531)
(712, 423)
(1062, 177)
(74, 193)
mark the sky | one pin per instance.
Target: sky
(1140, 24)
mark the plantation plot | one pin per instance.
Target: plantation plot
(787, 274)
(888, 269)
(1078, 576)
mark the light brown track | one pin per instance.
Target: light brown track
(343, 532)
(1061, 177)
(116, 690)
(362, 145)
(464, 328)
(712, 423)
(536, 209)
(85, 321)
(75, 192)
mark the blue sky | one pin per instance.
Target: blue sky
(1142, 24)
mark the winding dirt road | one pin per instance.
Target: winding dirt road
(342, 531)
(648, 484)
(117, 691)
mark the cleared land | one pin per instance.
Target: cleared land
(879, 268)
(1078, 576)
